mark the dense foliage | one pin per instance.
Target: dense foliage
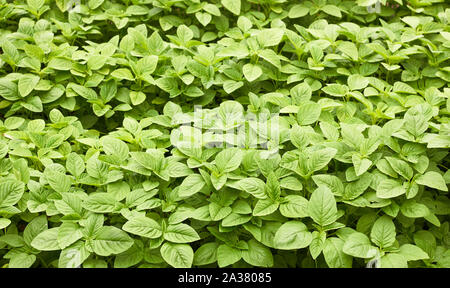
(133, 133)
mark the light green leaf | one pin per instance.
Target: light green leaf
(322, 206)
(308, 113)
(251, 72)
(177, 255)
(143, 226)
(111, 240)
(180, 233)
(358, 245)
(234, 6)
(433, 180)
(257, 254)
(389, 188)
(10, 192)
(383, 232)
(334, 255)
(47, 240)
(227, 255)
(292, 235)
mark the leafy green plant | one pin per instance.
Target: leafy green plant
(231, 133)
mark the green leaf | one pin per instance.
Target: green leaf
(47, 240)
(177, 255)
(218, 212)
(383, 232)
(253, 186)
(412, 252)
(206, 254)
(265, 207)
(317, 243)
(191, 184)
(27, 83)
(298, 11)
(410, 208)
(332, 182)
(320, 158)
(433, 180)
(116, 147)
(68, 233)
(143, 226)
(21, 260)
(234, 6)
(10, 192)
(94, 4)
(129, 258)
(180, 233)
(251, 72)
(358, 245)
(361, 164)
(393, 260)
(337, 90)
(234, 219)
(58, 181)
(87, 93)
(9, 90)
(294, 206)
(322, 206)
(100, 203)
(349, 49)
(271, 57)
(389, 188)
(332, 10)
(229, 160)
(61, 64)
(227, 255)
(184, 33)
(122, 74)
(152, 159)
(111, 240)
(4, 222)
(308, 113)
(357, 82)
(401, 167)
(292, 235)
(257, 254)
(334, 255)
(270, 37)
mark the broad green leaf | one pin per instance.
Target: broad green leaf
(253, 186)
(47, 240)
(191, 185)
(111, 240)
(410, 208)
(334, 255)
(177, 255)
(229, 160)
(143, 226)
(358, 245)
(10, 192)
(292, 235)
(180, 233)
(390, 188)
(227, 255)
(308, 113)
(257, 254)
(383, 232)
(433, 180)
(233, 6)
(294, 206)
(206, 254)
(322, 206)
(251, 72)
